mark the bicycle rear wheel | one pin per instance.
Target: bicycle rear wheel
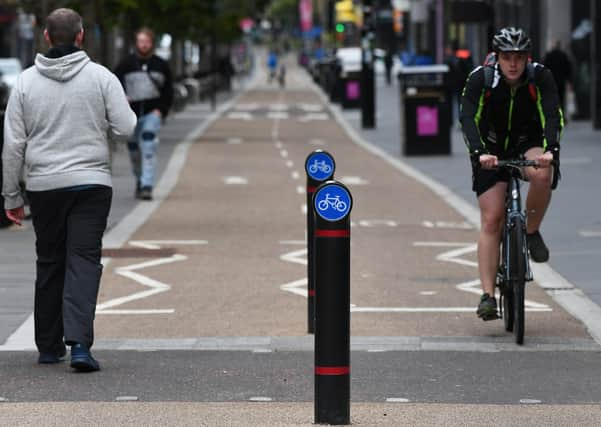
(517, 268)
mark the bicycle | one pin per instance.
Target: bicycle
(514, 269)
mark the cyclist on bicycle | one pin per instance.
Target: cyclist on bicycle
(510, 107)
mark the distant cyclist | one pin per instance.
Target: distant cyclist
(510, 107)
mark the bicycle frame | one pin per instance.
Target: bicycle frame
(513, 210)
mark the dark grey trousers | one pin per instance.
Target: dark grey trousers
(69, 225)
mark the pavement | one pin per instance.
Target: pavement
(201, 317)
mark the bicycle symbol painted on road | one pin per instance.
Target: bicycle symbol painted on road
(332, 201)
(320, 165)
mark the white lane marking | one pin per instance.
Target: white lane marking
(314, 117)
(157, 244)
(289, 163)
(590, 233)
(284, 153)
(530, 401)
(304, 208)
(297, 257)
(397, 400)
(278, 144)
(353, 180)
(293, 242)
(247, 106)
(298, 287)
(262, 350)
(260, 399)
(310, 107)
(235, 180)
(428, 293)
(295, 175)
(300, 189)
(448, 224)
(453, 255)
(474, 287)
(317, 142)
(370, 223)
(126, 398)
(156, 287)
(234, 141)
(239, 115)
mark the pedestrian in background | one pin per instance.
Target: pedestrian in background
(559, 63)
(149, 87)
(58, 119)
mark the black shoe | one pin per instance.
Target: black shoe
(50, 358)
(145, 193)
(82, 360)
(538, 250)
(487, 309)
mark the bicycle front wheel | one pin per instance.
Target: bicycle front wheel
(517, 259)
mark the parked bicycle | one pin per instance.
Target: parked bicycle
(514, 269)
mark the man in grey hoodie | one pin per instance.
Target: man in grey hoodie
(59, 117)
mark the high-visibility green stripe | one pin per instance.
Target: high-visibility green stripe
(509, 119)
(478, 116)
(541, 115)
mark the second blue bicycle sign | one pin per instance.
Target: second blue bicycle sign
(332, 201)
(320, 165)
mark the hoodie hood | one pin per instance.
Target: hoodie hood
(63, 68)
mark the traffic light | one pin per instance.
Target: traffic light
(340, 27)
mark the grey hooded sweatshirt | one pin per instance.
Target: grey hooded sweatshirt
(60, 115)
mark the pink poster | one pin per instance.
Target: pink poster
(427, 121)
(352, 89)
(305, 9)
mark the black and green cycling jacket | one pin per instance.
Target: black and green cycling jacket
(497, 119)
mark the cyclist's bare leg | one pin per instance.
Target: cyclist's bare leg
(492, 215)
(539, 193)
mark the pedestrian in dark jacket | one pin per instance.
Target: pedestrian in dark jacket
(559, 63)
(58, 119)
(149, 87)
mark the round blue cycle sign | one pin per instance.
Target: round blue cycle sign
(332, 202)
(320, 165)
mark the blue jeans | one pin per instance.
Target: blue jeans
(143, 149)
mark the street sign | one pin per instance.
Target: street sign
(320, 165)
(332, 202)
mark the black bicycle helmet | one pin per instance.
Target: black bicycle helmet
(510, 39)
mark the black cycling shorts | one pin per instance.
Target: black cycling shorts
(484, 179)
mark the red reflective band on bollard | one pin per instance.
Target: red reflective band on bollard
(332, 233)
(332, 370)
(311, 292)
(311, 189)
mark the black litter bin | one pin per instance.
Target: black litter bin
(425, 110)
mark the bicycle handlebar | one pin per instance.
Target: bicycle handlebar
(520, 163)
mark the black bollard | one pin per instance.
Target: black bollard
(319, 167)
(332, 203)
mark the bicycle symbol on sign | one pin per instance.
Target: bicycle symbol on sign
(321, 166)
(334, 202)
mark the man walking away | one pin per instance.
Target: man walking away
(149, 87)
(58, 119)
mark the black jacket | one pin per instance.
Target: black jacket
(147, 82)
(498, 119)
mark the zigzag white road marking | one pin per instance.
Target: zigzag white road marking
(156, 287)
(472, 286)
